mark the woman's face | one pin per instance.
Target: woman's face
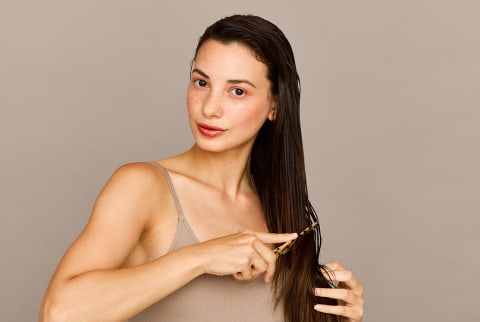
(228, 97)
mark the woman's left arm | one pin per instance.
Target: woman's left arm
(349, 294)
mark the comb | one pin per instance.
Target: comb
(285, 247)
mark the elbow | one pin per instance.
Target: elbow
(52, 311)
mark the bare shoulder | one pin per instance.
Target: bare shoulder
(137, 185)
(142, 180)
(122, 213)
(142, 174)
(139, 191)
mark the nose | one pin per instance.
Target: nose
(213, 104)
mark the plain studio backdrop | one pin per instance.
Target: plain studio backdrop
(390, 116)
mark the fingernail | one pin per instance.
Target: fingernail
(318, 307)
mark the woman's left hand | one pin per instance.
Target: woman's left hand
(349, 294)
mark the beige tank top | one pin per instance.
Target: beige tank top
(210, 298)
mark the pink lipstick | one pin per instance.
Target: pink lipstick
(209, 130)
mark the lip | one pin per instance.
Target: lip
(210, 130)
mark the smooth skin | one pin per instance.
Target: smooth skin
(119, 265)
(349, 293)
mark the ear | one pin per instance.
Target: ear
(273, 112)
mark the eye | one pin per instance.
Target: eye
(238, 92)
(200, 83)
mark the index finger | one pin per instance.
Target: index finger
(344, 275)
(272, 238)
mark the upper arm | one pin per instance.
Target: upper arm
(120, 214)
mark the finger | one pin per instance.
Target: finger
(353, 304)
(245, 272)
(349, 281)
(342, 274)
(251, 272)
(268, 257)
(334, 266)
(342, 294)
(259, 264)
(353, 313)
(243, 275)
(271, 238)
(256, 264)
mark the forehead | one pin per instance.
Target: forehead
(231, 60)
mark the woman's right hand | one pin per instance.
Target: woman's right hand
(244, 255)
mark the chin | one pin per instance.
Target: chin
(210, 146)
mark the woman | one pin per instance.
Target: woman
(191, 237)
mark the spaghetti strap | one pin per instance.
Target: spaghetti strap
(184, 230)
(172, 190)
(210, 297)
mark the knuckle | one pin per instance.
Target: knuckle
(239, 277)
(360, 290)
(255, 240)
(261, 266)
(360, 312)
(349, 275)
(247, 274)
(271, 258)
(243, 261)
(334, 265)
(250, 239)
(341, 310)
(362, 302)
(344, 294)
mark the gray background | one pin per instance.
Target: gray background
(390, 112)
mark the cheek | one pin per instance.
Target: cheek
(250, 120)
(193, 101)
(252, 115)
(245, 115)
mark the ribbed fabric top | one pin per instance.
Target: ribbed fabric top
(210, 298)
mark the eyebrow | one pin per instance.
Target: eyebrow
(230, 81)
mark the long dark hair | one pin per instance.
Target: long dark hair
(278, 168)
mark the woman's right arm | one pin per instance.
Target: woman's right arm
(90, 283)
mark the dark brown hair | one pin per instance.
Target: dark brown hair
(277, 166)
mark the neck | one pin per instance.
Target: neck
(226, 171)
